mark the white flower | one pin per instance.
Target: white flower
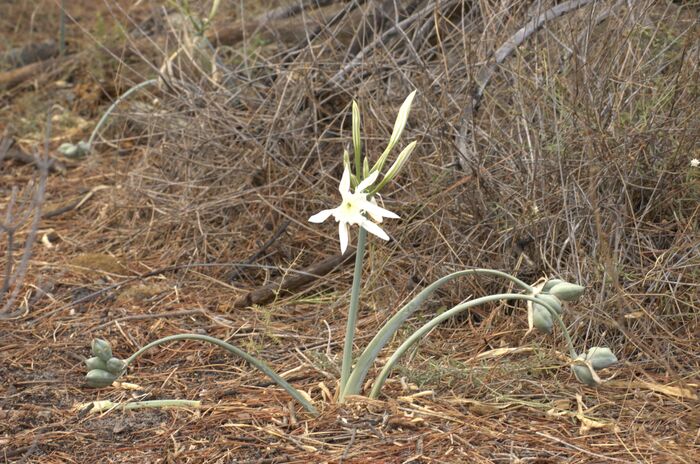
(351, 210)
(695, 163)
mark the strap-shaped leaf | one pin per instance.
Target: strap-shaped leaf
(364, 362)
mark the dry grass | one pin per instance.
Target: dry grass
(577, 166)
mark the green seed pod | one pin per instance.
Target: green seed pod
(101, 349)
(566, 291)
(584, 375)
(95, 363)
(115, 366)
(601, 357)
(551, 283)
(97, 378)
(541, 319)
(74, 150)
(552, 300)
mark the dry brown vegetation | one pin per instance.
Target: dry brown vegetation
(570, 158)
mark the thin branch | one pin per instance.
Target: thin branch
(487, 72)
(17, 279)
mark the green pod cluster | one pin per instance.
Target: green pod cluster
(103, 368)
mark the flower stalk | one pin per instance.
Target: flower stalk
(352, 314)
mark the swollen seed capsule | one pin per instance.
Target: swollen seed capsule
(101, 349)
(551, 300)
(601, 357)
(115, 366)
(97, 378)
(584, 375)
(551, 283)
(95, 363)
(566, 291)
(541, 319)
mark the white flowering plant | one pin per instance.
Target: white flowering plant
(359, 207)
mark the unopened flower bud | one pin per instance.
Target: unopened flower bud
(101, 349)
(115, 366)
(566, 291)
(95, 363)
(97, 378)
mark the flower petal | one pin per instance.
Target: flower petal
(343, 233)
(375, 218)
(322, 216)
(344, 187)
(376, 210)
(373, 228)
(367, 182)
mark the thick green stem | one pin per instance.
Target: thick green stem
(352, 313)
(420, 333)
(255, 362)
(111, 108)
(365, 361)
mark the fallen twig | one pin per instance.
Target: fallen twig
(31, 53)
(14, 154)
(340, 76)
(141, 317)
(235, 274)
(290, 283)
(74, 204)
(11, 225)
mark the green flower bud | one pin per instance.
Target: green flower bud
(97, 378)
(551, 283)
(552, 300)
(541, 319)
(601, 357)
(356, 140)
(95, 363)
(115, 366)
(566, 291)
(101, 349)
(399, 126)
